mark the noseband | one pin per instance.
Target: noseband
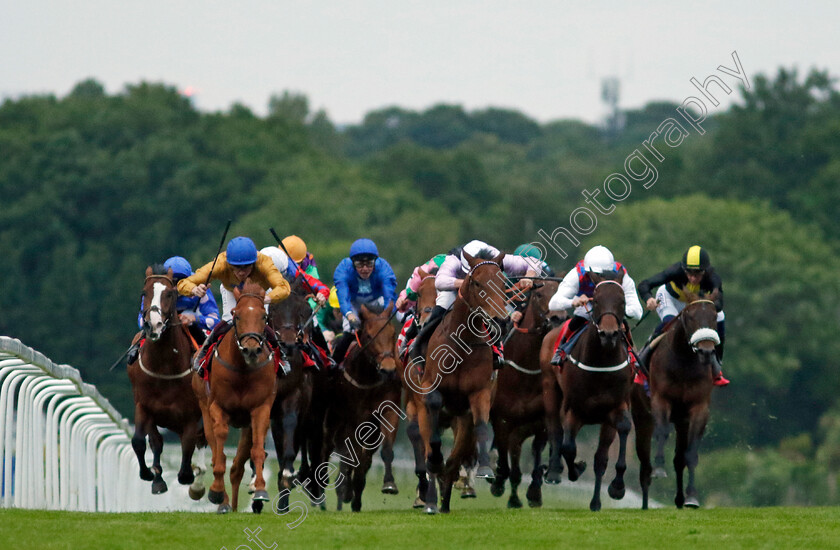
(701, 334)
(258, 336)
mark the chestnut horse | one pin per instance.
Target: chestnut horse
(681, 384)
(595, 381)
(241, 392)
(294, 389)
(459, 377)
(160, 378)
(518, 411)
(364, 414)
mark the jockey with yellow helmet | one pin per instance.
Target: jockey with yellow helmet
(695, 275)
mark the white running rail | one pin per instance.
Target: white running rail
(62, 445)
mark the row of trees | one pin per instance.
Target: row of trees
(95, 187)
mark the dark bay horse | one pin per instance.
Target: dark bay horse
(681, 383)
(365, 413)
(459, 377)
(241, 391)
(160, 378)
(294, 389)
(595, 381)
(518, 411)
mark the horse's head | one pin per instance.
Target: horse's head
(699, 320)
(484, 285)
(249, 320)
(536, 314)
(378, 336)
(287, 318)
(159, 298)
(426, 296)
(608, 308)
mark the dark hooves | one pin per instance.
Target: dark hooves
(553, 477)
(418, 503)
(146, 475)
(257, 506)
(468, 492)
(186, 478)
(216, 497)
(390, 488)
(159, 487)
(616, 491)
(224, 509)
(514, 502)
(595, 505)
(197, 492)
(497, 489)
(534, 496)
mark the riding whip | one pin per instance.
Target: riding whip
(281, 245)
(216, 257)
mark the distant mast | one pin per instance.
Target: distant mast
(611, 96)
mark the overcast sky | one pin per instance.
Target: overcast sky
(545, 58)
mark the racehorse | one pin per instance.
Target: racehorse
(681, 384)
(242, 387)
(518, 411)
(365, 412)
(294, 389)
(160, 378)
(459, 377)
(595, 381)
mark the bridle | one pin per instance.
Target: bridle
(469, 277)
(597, 320)
(167, 319)
(701, 334)
(258, 336)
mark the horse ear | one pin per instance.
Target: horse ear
(169, 274)
(423, 274)
(468, 257)
(149, 271)
(498, 259)
(236, 293)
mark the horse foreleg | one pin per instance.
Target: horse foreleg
(391, 419)
(534, 493)
(551, 403)
(515, 471)
(661, 414)
(501, 435)
(571, 425)
(237, 467)
(413, 431)
(360, 479)
(260, 419)
(428, 415)
(616, 489)
(680, 447)
(602, 455)
(698, 417)
(643, 424)
(138, 441)
(188, 439)
(217, 493)
(156, 444)
(480, 403)
(290, 422)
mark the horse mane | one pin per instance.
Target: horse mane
(692, 297)
(158, 269)
(375, 308)
(250, 287)
(485, 254)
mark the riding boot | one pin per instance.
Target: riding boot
(560, 353)
(220, 328)
(426, 332)
(410, 334)
(342, 343)
(133, 353)
(717, 364)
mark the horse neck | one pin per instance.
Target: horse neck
(362, 366)
(459, 316)
(173, 343)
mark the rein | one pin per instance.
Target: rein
(359, 385)
(161, 376)
(596, 323)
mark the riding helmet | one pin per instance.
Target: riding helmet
(180, 267)
(696, 258)
(364, 248)
(241, 251)
(598, 260)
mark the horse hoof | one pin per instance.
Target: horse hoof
(595, 505)
(553, 477)
(692, 502)
(514, 502)
(659, 472)
(485, 472)
(468, 492)
(535, 503)
(257, 506)
(534, 496)
(159, 487)
(418, 503)
(497, 489)
(197, 492)
(464, 482)
(431, 510)
(390, 488)
(444, 510)
(261, 496)
(224, 509)
(216, 497)
(615, 491)
(186, 478)
(146, 475)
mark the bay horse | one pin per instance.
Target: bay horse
(518, 412)
(294, 389)
(160, 378)
(595, 381)
(365, 413)
(241, 391)
(681, 383)
(459, 377)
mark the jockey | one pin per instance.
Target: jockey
(329, 317)
(451, 275)
(578, 288)
(298, 252)
(362, 278)
(290, 270)
(408, 298)
(199, 315)
(239, 262)
(530, 251)
(693, 274)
